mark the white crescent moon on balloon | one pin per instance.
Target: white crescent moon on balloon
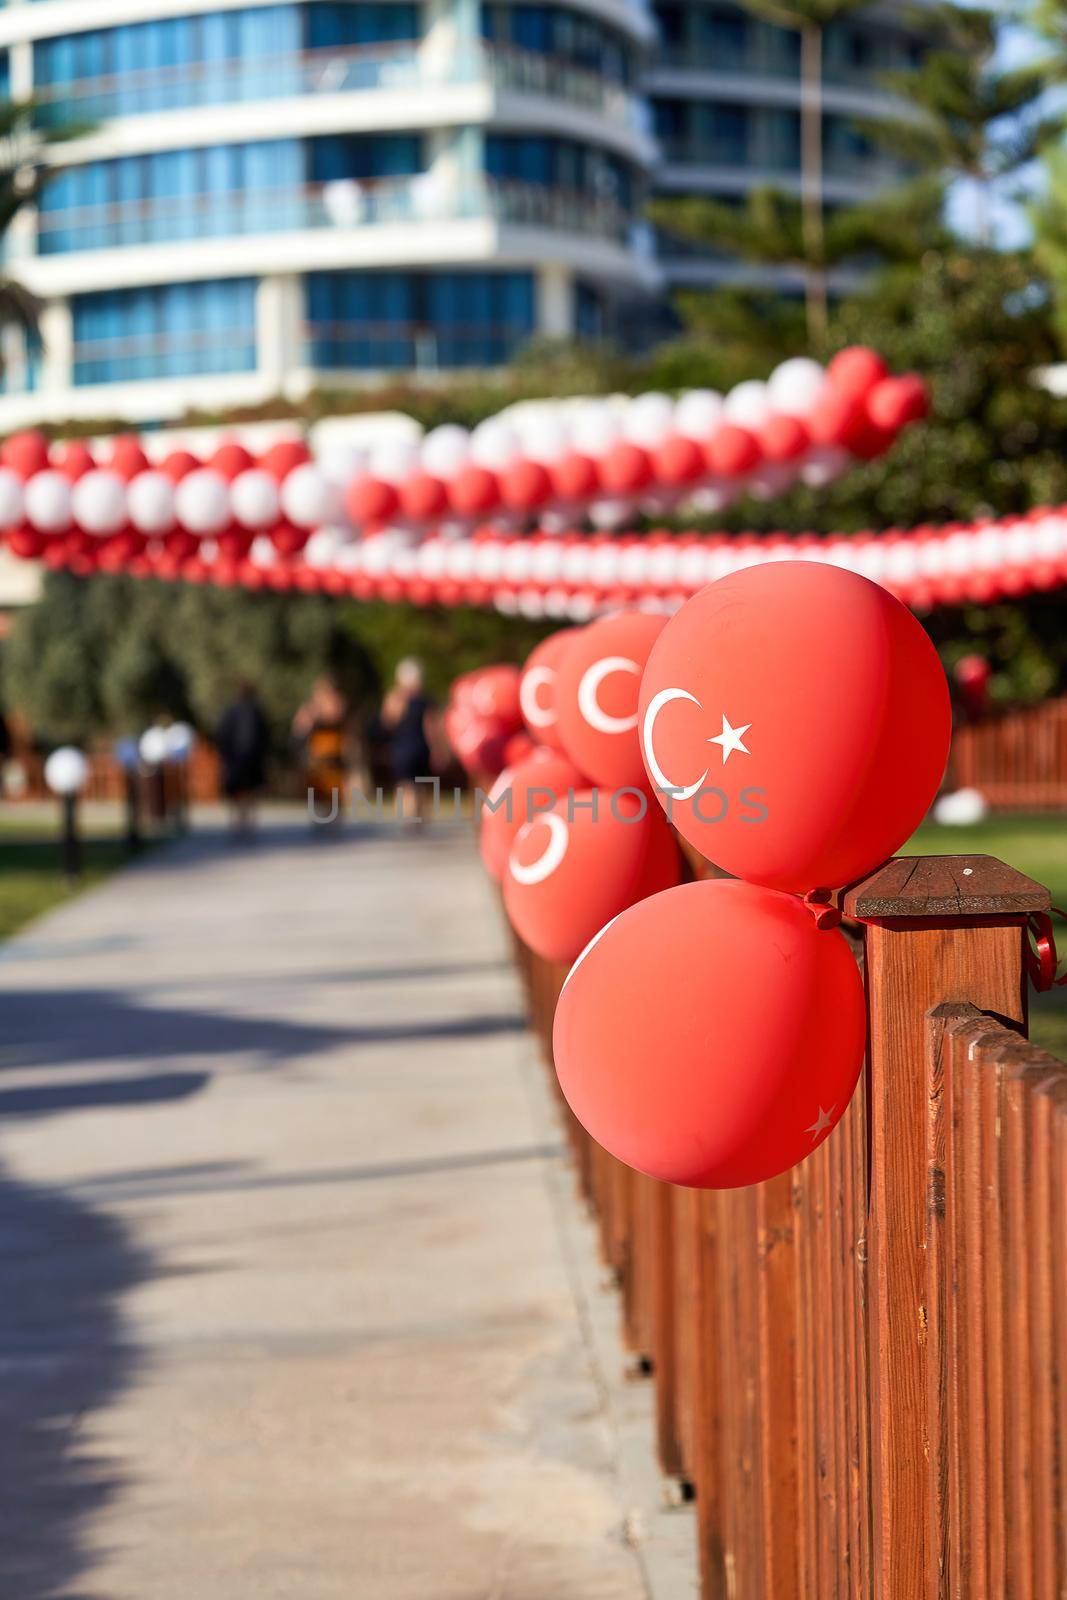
(590, 706)
(530, 683)
(546, 863)
(595, 940)
(659, 777)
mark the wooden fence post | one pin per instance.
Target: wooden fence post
(939, 929)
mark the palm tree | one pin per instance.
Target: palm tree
(810, 19)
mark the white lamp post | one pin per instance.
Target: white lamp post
(66, 773)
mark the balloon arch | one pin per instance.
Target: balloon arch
(528, 513)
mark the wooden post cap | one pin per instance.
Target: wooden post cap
(944, 886)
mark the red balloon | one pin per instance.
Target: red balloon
(74, 459)
(127, 458)
(284, 457)
(712, 1036)
(423, 497)
(895, 402)
(493, 692)
(25, 453)
(597, 691)
(785, 439)
(369, 500)
(178, 464)
(679, 461)
(537, 687)
(532, 785)
(474, 491)
(230, 460)
(575, 477)
(26, 543)
(626, 469)
(733, 452)
(287, 540)
(801, 717)
(478, 742)
(855, 371)
(234, 544)
(572, 869)
(525, 486)
(839, 418)
(520, 747)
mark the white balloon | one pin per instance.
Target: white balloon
(823, 463)
(649, 420)
(596, 427)
(610, 513)
(795, 386)
(11, 498)
(66, 770)
(545, 439)
(494, 445)
(202, 502)
(748, 405)
(324, 546)
(698, 414)
(98, 502)
(962, 809)
(180, 741)
(308, 498)
(714, 497)
(262, 552)
(343, 462)
(393, 460)
(150, 503)
(46, 500)
(154, 747)
(255, 499)
(445, 450)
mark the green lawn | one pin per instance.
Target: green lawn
(31, 880)
(1036, 845)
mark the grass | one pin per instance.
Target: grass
(1036, 845)
(31, 877)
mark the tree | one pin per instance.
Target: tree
(23, 175)
(974, 119)
(810, 19)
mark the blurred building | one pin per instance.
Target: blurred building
(725, 92)
(264, 198)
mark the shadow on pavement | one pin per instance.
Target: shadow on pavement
(63, 1270)
(42, 1099)
(72, 1027)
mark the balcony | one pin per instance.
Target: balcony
(777, 167)
(346, 203)
(409, 346)
(390, 67)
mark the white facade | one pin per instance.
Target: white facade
(263, 202)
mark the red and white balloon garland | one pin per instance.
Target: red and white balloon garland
(559, 465)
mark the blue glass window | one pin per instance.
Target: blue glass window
(166, 331)
(556, 31)
(558, 164)
(366, 320)
(214, 191)
(207, 59)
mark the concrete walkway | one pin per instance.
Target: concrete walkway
(293, 1301)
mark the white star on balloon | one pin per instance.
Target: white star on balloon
(822, 1122)
(731, 739)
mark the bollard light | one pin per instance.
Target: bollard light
(66, 773)
(128, 758)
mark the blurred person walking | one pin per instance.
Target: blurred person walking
(320, 727)
(406, 711)
(243, 741)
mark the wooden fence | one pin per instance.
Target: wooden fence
(861, 1367)
(1016, 759)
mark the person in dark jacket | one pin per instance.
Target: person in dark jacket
(404, 715)
(243, 741)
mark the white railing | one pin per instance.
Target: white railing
(345, 203)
